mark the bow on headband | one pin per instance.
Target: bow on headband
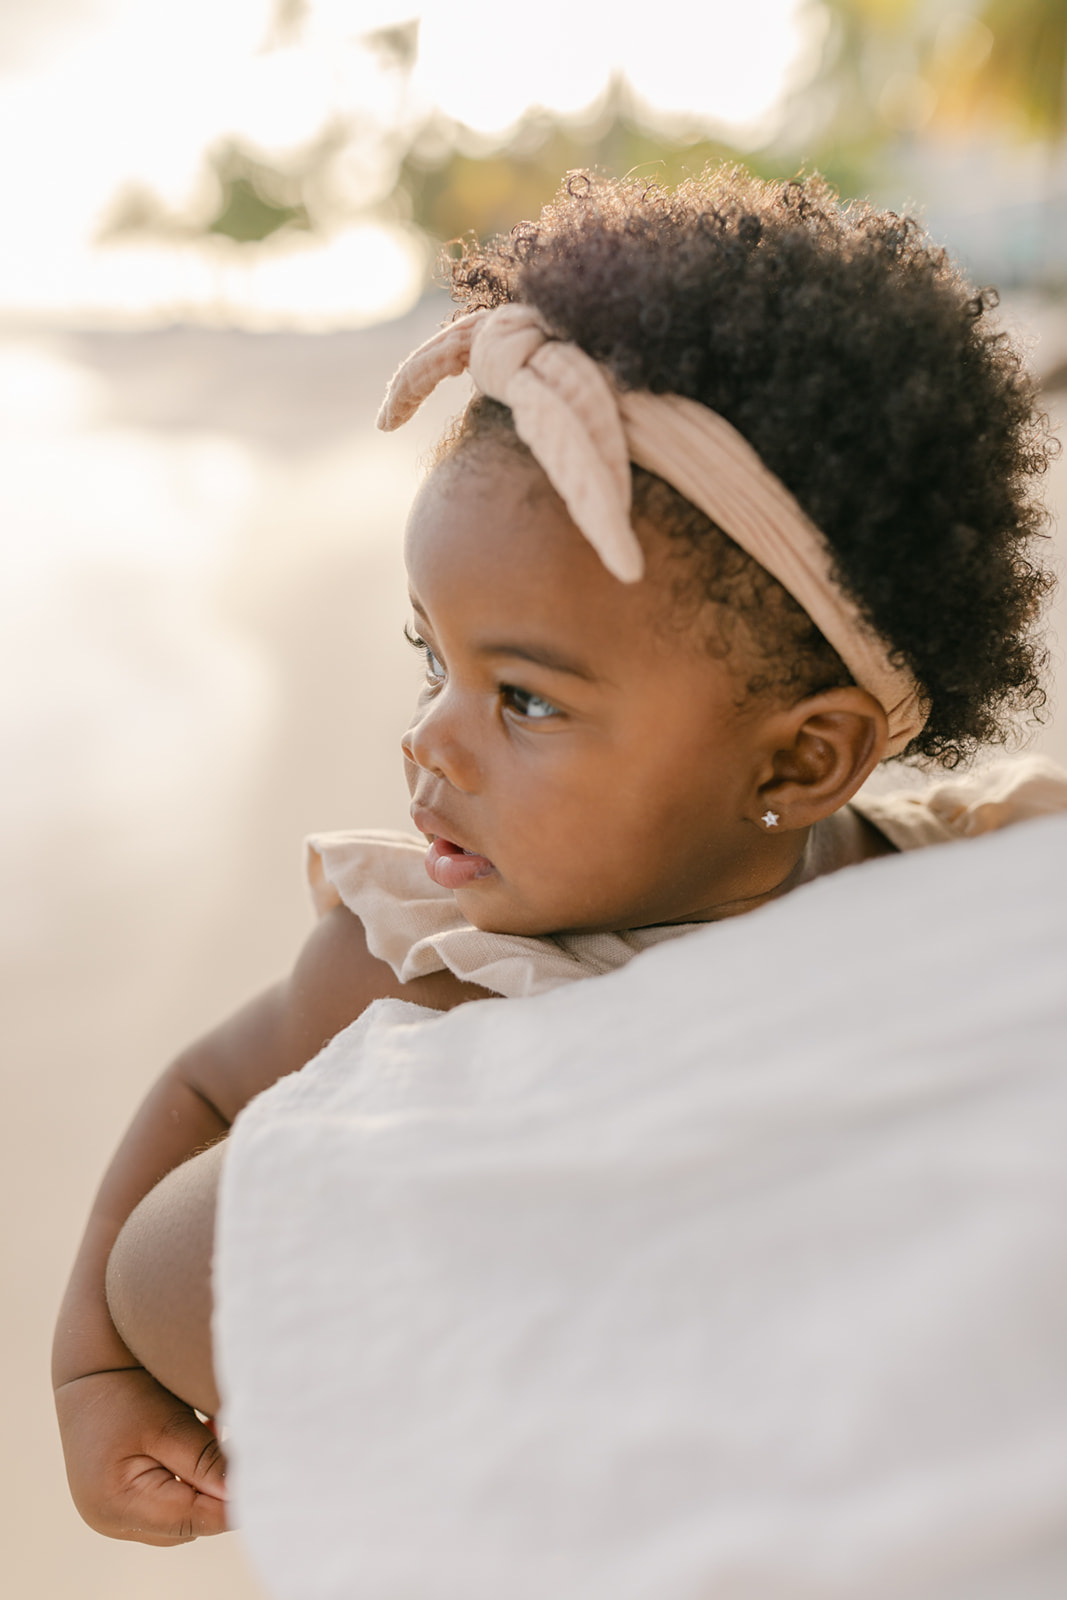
(584, 434)
(564, 409)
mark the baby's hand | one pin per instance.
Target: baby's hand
(140, 1463)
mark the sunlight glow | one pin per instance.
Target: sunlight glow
(716, 63)
(128, 96)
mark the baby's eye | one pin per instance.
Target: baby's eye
(435, 672)
(532, 706)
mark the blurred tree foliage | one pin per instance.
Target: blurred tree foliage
(895, 69)
(256, 200)
(865, 94)
(891, 72)
(252, 199)
(450, 191)
(1021, 78)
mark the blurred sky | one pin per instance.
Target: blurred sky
(97, 96)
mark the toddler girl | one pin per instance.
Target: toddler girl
(741, 507)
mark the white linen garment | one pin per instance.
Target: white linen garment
(734, 1274)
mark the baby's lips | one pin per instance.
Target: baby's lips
(451, 867)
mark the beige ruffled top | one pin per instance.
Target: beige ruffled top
(416, 926)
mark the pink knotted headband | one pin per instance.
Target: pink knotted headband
(584, 433)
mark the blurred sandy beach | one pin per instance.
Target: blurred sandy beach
(203, 597)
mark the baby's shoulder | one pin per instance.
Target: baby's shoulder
(337, 976)
(995, 795)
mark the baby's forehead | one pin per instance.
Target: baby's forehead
(495, 560)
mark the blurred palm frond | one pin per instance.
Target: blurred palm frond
(1007, 64)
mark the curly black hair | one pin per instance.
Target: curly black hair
(857, 361)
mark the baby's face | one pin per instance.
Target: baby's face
(575, 762)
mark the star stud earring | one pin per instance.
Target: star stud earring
(769, 819)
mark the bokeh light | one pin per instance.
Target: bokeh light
(121, 204)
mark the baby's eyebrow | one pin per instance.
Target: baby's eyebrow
(541, 656)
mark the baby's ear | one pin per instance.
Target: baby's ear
(818, 753)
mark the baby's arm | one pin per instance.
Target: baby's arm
(159, 1279)
(140, 1464)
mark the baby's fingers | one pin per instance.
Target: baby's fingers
(192, 1451)
(140, 1464)
(176, 1493)
(162, 1509)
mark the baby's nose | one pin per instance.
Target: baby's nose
(432, 744)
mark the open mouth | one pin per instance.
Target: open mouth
(450, 866)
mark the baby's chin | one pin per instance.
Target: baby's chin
(493, 912)
(488, 919)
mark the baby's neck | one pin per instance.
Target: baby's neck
(842, 840)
